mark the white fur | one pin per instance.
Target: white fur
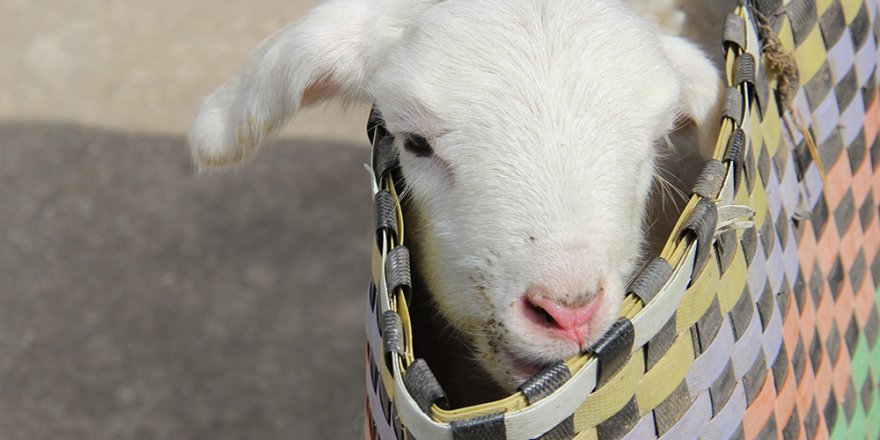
(544, 117)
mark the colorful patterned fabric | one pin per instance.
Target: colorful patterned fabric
(758, 320)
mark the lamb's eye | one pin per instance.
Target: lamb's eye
(418, 145)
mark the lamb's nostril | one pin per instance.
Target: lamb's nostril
(540, 313)
(547, 311)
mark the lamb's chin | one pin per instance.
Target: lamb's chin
(509, 369)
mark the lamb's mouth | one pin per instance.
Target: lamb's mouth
(523, 368)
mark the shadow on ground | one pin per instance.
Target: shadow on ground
(138, 300)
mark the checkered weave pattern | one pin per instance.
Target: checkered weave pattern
(758, 320)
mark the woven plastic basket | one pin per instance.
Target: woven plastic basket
(759, 318)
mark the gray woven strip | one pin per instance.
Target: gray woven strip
(563, 431)
(811, 420)
(831, 412)
(867, 393)
(545, 382)
(818, 87)
(733, 104)
(741, 314)
(802, 16)
(392, 332)
(750, 170)
(651, 280)
(702, 223)
(618, 425)
(384, 156)
(860, 27)
(735, 30)
(709, 324)
(386, 215)
(613, 349)
(768, 8)
(766, 305)
(849, 400)
(725, 249)
(792, 429)
(660, 343)
(375, 125)
(672, 409)
(488, 427)
(780, 368)
(832, 344)
(763, 92)
(754, 378)
(736, 153)
(397, 270)
(722, 388)
(744, 69)
(423, 386)
(711, 178)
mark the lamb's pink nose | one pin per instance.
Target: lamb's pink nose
(563, 316)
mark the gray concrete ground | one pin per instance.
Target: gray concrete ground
(137, 299)
(140, 301)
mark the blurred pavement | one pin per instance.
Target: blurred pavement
(139, 300)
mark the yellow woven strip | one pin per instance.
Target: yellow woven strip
(741, 197)
(850, 9)
(754, 135)
(729, 63)
(590, 434)
(631, 305)
(698, 297)
(822, 6)
(733, 283)
(785, 35)
(770, 127)
(674, 249)
(810, 55)
(510, 403)
(403, 311)
(758, 202)
(727, 127)
(387, 377)
(659, 382)
(611, 397)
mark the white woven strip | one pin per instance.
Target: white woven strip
(691, 424)
(773, 335)
(706, 368)
(757, 276)
(841, 57)
(545, 414)
(775, 265)
(643, 430)
(824, 118)
(866, 59)
(792, 261)
(727, 421)
(417, 422)
(373, 336)
(790, 188)
(657, 312)
(853, 119)
(527, 423)
(746, 349)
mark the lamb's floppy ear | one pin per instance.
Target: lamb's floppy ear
(701, 87)
(322, 55)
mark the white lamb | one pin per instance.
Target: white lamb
(528, 136)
